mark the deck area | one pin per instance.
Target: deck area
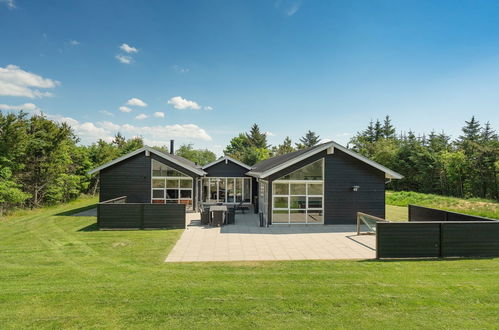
(245, 241)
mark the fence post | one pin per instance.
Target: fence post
(378, 230)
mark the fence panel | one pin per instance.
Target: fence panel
(407, 240)
(164, 216)
(470, 239)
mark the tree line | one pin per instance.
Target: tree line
(466, 167)
(42, 162)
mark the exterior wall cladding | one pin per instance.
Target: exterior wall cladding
(132, 178)
(232, 169)
(342, 172)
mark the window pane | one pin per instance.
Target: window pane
(279, 216)
(297, 216)
(247, 190)
(297, 202)
(172, 183)
(315, 188)
(230, 190)
(213, 189)
(158, 183)
(281, 189)
(185, 193)
(158, 193)
(315, 202)
(298, 189)
(309, 172)
(315, 217)
(280, 202)
(185, 183)
(171, 193)
(160, 169)
(239, 189)
(221, 190)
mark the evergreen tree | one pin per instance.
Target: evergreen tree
(256, 138)
(309, 140)
(284, 148)
(378, 131)
(471, 132)
(388, 129)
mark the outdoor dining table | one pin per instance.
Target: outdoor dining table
(218, 210)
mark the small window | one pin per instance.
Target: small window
(158, 193)
(172, 183)
(281, 202)
(298, 189)
(315, 188)
(281, 189)
(158, 183)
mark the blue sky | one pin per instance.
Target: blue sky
(207, 70)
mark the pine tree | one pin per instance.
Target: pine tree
(388, 129)
(284, 148)
(256, 138)
(471, 131)
(378, 131)
(309, 140)
(488, 134)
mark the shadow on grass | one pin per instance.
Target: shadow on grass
(92, 227)
(426, 259)
(78, 210)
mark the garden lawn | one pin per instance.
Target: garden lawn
(57, 271)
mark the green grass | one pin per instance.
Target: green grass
(56, 271)
(474, 206)
(396, 213)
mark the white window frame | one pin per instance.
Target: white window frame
(179, 188)
(307, 196)
(225, 201)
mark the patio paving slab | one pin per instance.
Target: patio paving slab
(245, 241)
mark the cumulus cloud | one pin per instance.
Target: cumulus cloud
(128, 49)
(136, 102)
(17, 82)
(27, 107)
(159, 114)
(141, 116)
(125, 109)
(269, 133)
(124, 59)
(107, 113)
(208, 108)
(178, 102)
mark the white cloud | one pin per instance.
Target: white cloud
(136, 102)
(16, 82)
(288, 7)
(179, 102)
(141, 116)
(9, 3)
(107, 113)
(159, 114)
(125, 109)
(128, 49)
(208, 108)
(74, 42)
(269, 134)
(181, 69)
(124, 59)
(27, 107)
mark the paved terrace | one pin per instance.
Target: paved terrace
(246, 241)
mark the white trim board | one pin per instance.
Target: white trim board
(228, 159)
(150, 150)
(388, 173)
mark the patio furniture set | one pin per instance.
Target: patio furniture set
(218, 215)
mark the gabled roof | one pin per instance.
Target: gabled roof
(227, 158)
(272, 165)
(180, 161)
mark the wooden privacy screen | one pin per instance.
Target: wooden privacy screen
(432, 233)
(140, 216)
(420, 213)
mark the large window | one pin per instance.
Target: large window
(298, 197)
(170, 185)
(227, 190)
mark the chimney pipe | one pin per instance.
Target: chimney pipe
(172, 146)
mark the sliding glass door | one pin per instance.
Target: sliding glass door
(227, 190)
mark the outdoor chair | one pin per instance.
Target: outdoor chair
(205, 217)
(218, 218)
(231, 216)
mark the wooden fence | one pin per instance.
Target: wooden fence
(439, 234)
(117, 214)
